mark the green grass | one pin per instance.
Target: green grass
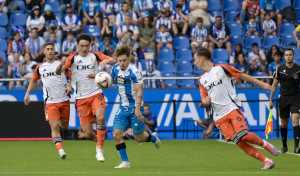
(197, 157)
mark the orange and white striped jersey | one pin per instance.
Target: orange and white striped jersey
(80, 68)
(54, 86)
(218, 85)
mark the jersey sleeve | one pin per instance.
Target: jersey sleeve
(137, 77)
(203, 92)
(70, 60)
(231, 71)
(276, 74)
(36, 75)
(100, 56)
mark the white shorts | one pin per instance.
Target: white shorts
(197, 44)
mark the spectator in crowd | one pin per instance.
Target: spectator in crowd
(150, 119)
(109, 9)
(208, 123)
(91, 13)
(125, 12)
(63, 6)
(163, 5)
(295, 32)
(57, 44)
(198, 9)
(34, 45)
(180, 20)
(199, 36)
(14, 70)
(164, 19)
(276, 63)
(272, 7)
(135, 61)
(151, 72)
(271, 53)
(147, 34)
(3, 8)
(94, 44)
(107, 29)
(20, 29)
(233, 59)
(219, 35)
(242, 64)
(163, 38)
(249, 8)
(69, 44)
(107, 46)
(269, 26)
(52, 23)
(15, 46)
(129, 41)
(27, 66)
(251, 28)
(143, 9)
(2, 67)
(36, 20)
(185, 5)
(257, 59)
(70, 22)
(122, 30)
(32, 3)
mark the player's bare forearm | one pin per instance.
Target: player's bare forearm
(30, 88)
(251, 79)
(139, 92)
(111, 61)
(274, 85)
(91, 75)
(60, 68)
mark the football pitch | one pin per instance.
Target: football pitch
(175, 157)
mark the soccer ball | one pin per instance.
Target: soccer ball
(103, 80)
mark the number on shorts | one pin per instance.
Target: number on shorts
(79, 113)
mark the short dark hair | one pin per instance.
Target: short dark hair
(162, 25)
(70, 33)
(204, 52)
(48, 43)
(219, 16)
(199, 20)
(268, 14)
(130, 31)
(106, 36)
(83, 36)
(147, 105)
(278, 54)
(290, 49)
(251, 17)
(254, 44)
(123, 50)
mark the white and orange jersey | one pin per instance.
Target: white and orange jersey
(54, 86)
(218, 85)
(80, 68)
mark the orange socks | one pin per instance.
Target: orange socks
(58, 143)
(253, 139)
(252, 151)
(100, 138)
(94, 137)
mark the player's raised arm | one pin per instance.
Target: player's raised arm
(61, 68)
(103, 59)
(138, 102)
(251, 79)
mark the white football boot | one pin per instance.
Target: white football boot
(157, 142)
(99, 155)
(124, 164)
(62, 154)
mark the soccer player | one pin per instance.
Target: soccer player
(131, 111)
(289, 102)
(56, 95)
(90, 102)
(218, 91)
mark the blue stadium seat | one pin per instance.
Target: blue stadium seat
(269, 41)
(168, 74)
(165, 54)
(143, 62)
(287, 41)
(252, 39)
(3, 55)
(18, 88)
(184, 67)
(236, 39)
(3, 20)
(213, 14)
(2, 87)
(92, 30)
(181, 42)
(235, 29)
(258, 73)
(186, 83)
(220, 54)
(166, 66)
(170, 83)
(18, 19)
(230, 5)
(21, 4)
(185, 74)
(3, 33)
(54, 4)
(296, 5)
(3, 44)
(213, 5)
(220, 62)
(230, 16)
(197, 71)
(287, 29)
(298, 17)
(184, 54)
(284, 3)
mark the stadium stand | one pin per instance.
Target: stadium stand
(230, 5)
(3, 20)
(21, 5)
(18, 19)
(3, 33)
(184, 54)
(213, 5)
(166, 54)
(252, 39)
(181, 42)
(269, 41)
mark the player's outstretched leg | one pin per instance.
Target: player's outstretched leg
(57, 140)
(149, 137)
(121, 148)
(101, 132)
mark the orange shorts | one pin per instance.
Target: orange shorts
(86, 108)
(232, 123)
(59, 111)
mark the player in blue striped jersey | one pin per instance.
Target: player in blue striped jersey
(131, 111)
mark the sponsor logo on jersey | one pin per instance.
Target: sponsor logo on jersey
(79, 62)
(85, 67)
(121, 80)
(295, 76)
(213, 84)
(48, 74)
(44, 70)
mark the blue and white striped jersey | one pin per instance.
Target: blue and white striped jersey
(163, 37)
(165, 21)
(269, 25)
(199, 34)
(126, 81)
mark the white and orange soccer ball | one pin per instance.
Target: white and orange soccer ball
(103, 80)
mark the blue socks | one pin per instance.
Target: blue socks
(122, 151)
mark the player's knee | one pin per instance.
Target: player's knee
(88, 135)
(139, 138)
(117, 135)
(239, 135)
